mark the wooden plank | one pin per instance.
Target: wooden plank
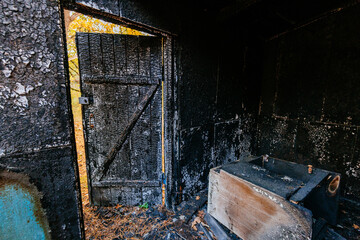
(189, 208)
(109, 128)
(116, 195)
(95, 196)
(282, 185)
(121, 165)
(122, 195)
(127, 183)
(97, 139)
(136, 196)
(109, 113)
(156, 58)
(331, 234)
(155, 140)
(145, 45)
(107, 46)
(140, 136)
(152, 194)
(96, 54)
(121, 80)
(319, 229)
(201, 228)
(133, 102)
(120, 55)
(303, 192)
(146, 139)
(101, 196)
(82, 45)
(105, 196)
(252, 212)
(132, 55)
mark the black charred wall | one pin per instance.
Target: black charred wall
(218, 96)
(34, 111)
(243, 87)
(310, 110)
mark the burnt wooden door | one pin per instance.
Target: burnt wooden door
(121, 81)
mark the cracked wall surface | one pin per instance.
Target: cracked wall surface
(32, 86)
(34, 111)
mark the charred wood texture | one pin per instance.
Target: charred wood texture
(121, 74)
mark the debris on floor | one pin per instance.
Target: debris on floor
(121, 222)
(188, 208)
(190, 221)
(348, 219)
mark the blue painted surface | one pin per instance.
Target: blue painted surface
(17, 215)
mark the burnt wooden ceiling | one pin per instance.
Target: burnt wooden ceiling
(269, 17)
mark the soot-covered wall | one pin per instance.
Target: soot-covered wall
(218, 96)
(34, 112)
(310, 98)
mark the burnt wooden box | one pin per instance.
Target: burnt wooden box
(269, 198)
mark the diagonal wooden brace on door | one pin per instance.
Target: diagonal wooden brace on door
(102, 170)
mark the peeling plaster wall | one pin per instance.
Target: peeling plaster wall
(32, 81)
(309, 110)
(34, 115)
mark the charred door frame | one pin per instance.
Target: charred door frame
(168, 86)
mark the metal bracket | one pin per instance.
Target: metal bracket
(84, 100)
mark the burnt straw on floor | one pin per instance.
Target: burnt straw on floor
(122, 222)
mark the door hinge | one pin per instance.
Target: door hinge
(83, 100)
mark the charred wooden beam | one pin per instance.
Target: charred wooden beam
(188, 208)
(127, 183)
(304, 191)
(122, 80)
